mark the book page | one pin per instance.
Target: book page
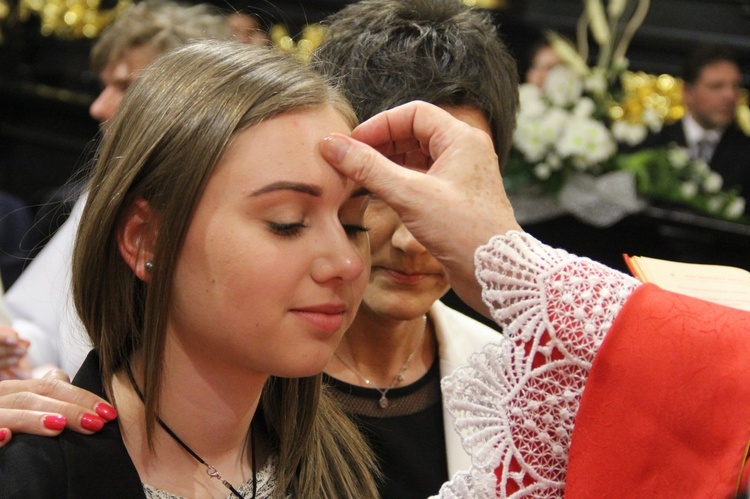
(721, 284)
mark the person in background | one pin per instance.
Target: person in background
(711, 92)
(386, 372)
(39, 302)
(246, 28)
(17, 241)
(208, 245)
(542, 58)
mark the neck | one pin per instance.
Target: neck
(378, 347)
(208, 406)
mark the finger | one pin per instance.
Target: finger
(367, 167)
(30, 406)
(415, 122)
(7, 363)
(42, 423)
(56, 385)
(8, 336)
(5, 436)
(12, 351)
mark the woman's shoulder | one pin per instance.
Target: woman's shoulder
(33, 466)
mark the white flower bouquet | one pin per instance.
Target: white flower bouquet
(572, 135)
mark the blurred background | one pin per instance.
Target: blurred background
(46, 87)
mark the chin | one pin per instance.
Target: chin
(308, 365)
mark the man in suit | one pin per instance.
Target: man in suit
(708, 129)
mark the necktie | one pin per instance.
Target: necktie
(706, 146)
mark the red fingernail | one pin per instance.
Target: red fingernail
(3, 434)
(54, 422)
(92, 422)
(106, 411)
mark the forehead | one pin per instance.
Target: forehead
(130, 64)
(719, 70)
(285, 146)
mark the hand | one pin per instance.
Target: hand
(453, 209)
(48, 405)
(12, 353)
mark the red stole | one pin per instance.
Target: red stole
(666, 408)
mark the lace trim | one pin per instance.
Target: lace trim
(515, 403)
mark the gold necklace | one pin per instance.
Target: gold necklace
(399, 377)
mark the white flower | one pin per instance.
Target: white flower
(736, 208)
(554, 162)
(596, 83)
(553, 124)
(629, 133)
(688, 190)
(652, 120)
(712, 183)
(531, 138)
(587, 141)
(542, 171)
(620, 64)
(701, 168)
(715, 204)
(562, 87)
(584, 108)
(678, 157)
(531, 104)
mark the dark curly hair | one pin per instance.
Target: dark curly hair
(383, 53)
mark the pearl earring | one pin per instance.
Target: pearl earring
(149, 266)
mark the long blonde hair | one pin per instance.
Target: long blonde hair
(162, 146)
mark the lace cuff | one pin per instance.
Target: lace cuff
(515, 403)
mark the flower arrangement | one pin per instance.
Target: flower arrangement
(573, 134)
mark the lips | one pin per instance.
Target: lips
(405, 277)
(328, 317)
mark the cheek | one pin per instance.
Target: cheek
(362, 247)
(382, 222)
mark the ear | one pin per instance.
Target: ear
(136, 238)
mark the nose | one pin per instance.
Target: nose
(106, 104)
(403, 240)
(339, 260)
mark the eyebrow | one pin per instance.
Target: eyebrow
(311, 190)
(288, 186)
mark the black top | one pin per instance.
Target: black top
(71, 465)
(407, 437)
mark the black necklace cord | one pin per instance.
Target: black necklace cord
(210, 470)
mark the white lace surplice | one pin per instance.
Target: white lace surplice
(515, 403)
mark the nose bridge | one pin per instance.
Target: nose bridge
(337, 256)
(405, 241)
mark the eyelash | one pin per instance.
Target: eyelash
(286, 230)
(295, 229)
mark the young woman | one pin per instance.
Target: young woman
(219, 261)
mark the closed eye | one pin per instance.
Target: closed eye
(286, 230)
(353, 230)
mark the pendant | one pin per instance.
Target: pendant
(383, 402)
